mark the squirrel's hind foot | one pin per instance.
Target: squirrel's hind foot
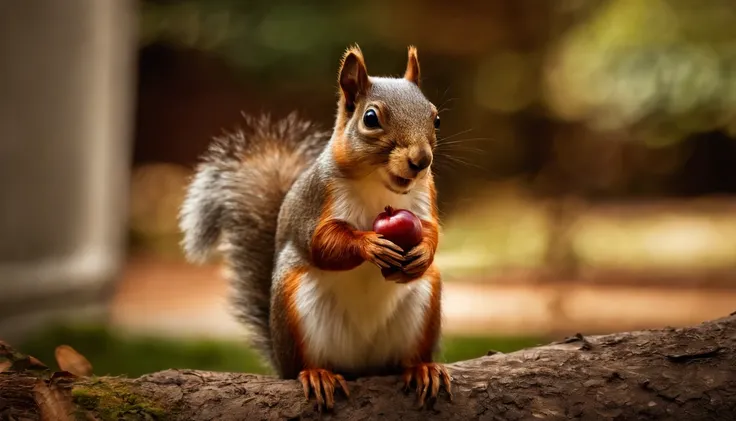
(428, 377)
(323, 383)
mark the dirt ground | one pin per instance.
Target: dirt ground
(173, 298)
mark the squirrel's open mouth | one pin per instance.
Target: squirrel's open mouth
(400, 181)
(396, 184)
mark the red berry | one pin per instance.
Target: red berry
(401, 227)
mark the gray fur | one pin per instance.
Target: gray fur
(283, 355)
(235, 197)
(298, 220)
(302, 206)
(407, 108)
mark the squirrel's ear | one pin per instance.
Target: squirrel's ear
(412, 66)
(353, 76)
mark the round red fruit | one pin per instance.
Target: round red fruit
(400, 226)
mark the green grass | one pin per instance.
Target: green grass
(458, 348)
(130, 355)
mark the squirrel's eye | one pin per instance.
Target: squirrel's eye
(370, 119)
(437, 122)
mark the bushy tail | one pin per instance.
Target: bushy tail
(234, 199)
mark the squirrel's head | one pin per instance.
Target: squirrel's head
(384, 125)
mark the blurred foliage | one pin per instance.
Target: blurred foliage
(134, 355)
(270, 39)
(512, 231)
(254, 35)
(668, 240)
(667, 63)
(542, 100)
(503, 229)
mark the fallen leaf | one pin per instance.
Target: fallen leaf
(28, 363)
(36, 363)
(72, 361)
(5, 365)
(53, 403)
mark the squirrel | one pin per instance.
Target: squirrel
(291, 206)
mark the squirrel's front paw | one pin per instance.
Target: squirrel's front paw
(319, 380)
(426, 376)
(419, 258)
(380, 251)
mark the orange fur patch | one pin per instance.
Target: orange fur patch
(432, 329)
(353, 50)
(352, 76)
(433, 317)
(412, 73)
(430, 228)
(335, 244)
(433, 198)
(341, 155)
(291, 287)
(431, 235)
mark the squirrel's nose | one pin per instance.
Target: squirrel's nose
(419, 160)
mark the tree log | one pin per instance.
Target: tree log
(665, 374)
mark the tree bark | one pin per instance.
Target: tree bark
(666, 374)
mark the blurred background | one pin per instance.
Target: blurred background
(586, 169)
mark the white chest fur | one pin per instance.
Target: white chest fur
(359, 202)
(357, 319)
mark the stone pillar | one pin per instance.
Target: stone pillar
(67, 74)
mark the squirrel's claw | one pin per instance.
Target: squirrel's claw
(428, 378)
(382, 252)
(390, 245)
(323, 383)
(419, 259)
